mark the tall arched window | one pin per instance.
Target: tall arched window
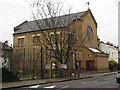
(89, 33)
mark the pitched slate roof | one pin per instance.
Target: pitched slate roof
(60, 22)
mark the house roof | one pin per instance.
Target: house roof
(61, 22)
(95, 50)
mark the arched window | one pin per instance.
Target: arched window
(89, 33)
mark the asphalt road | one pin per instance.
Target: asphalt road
(108, 81)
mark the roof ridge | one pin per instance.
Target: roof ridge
(59, 16)
(21, 24)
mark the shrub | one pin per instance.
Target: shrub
(9, 76)
(112, 65)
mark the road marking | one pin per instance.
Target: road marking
(63, 82)
(84, 82)
(105, 82)
(95, 81)
(36, 86)
(88, 82)
(65, 86)
(50, 86)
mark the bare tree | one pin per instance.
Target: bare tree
(48, 19)
(57, 36)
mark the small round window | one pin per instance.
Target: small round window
(89, 33)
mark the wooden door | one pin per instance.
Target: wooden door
(89, 65)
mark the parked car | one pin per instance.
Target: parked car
(118, 77)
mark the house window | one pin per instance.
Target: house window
(36, 39)
(20, 41)
(52, 38)
(57, 36)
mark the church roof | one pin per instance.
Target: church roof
(61, 22)
(95, 50)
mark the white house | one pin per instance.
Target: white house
(110, 49)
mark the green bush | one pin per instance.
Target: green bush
(112, 65)
(9, 76)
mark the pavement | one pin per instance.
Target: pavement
(25, 83)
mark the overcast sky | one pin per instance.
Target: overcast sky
(14, 12)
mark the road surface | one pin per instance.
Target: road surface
(108, 81)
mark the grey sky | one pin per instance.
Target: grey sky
(14, 12)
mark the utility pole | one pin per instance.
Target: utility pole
(77, 33)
